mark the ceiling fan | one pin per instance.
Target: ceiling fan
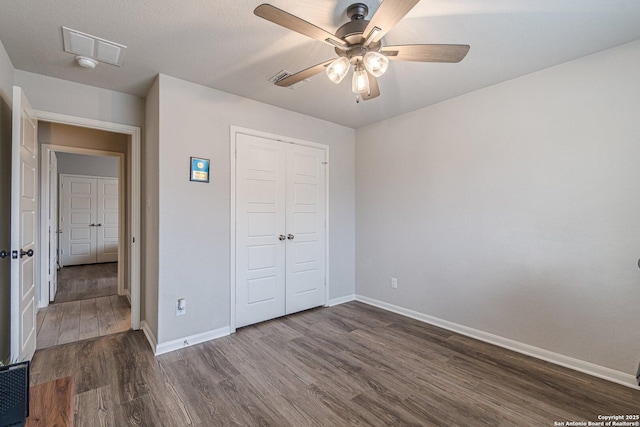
(358, 43)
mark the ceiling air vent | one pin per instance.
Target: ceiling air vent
(283, 75)
(93, 47)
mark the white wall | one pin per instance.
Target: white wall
(75, 99)
(149, 212)
(80, 164)
(514, 209)
(7, 75)
(194, 223)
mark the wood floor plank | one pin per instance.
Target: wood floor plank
(40, 318)
(93, 366)
(347, 365)
(121, 312)
(106, 320)
(51, 404)
(50, 329)
(88, 319)
(70, 325)
(94, 408)
(138, 412)
(174, 401)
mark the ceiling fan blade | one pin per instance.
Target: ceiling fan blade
(304, 74)
(426, 52)
(292, 22)
(389, 13)
(374, 89)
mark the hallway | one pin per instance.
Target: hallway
(86, 306)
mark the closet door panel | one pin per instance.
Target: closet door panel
(78, 212)
(260, 220)
(107, 222)
(305, 219)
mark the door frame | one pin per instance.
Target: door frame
(121, 212)
(234, 131)
(49, 222)
(130, 218)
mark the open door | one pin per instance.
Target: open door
(23, 227)
(53, 225)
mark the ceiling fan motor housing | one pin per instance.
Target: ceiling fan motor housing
(352, 33)
(357, 11)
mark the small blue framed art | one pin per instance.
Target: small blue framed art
(199, 170)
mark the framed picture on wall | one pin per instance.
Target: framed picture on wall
(199, 171)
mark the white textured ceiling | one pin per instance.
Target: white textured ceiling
(221, 44)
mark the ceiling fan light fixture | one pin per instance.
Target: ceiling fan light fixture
(376, 63)
(360, 82)
(338, 69)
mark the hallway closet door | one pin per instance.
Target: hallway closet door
(107, 228)
(88, 220)
(280, 229)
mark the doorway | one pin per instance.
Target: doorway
(128, 273)
(85, 224)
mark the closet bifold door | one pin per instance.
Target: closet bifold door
(260, 224)
(305, 219)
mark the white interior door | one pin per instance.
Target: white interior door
(305, 218)
(280, 228)
(107, 226)
(78, 219)
(53, 226)
(23, 227)
(260, 229)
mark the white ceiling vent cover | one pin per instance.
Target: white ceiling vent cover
(102, 50)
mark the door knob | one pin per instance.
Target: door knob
(4, 254)
(281, 237)
(99, 225)
(290, 236)
(92, 225)
(28, 253)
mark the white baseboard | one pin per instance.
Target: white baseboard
(341, 300)
(179, 343)
(539, 353)
(149, 334)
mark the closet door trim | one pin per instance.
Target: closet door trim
(234, 131)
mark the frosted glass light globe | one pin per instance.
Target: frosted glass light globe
(376, 63)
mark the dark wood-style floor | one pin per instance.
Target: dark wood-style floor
(78, 282)
(347, 365)
(80, 320)
(87, 305)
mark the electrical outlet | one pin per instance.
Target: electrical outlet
(394, 283)
(181, 307)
